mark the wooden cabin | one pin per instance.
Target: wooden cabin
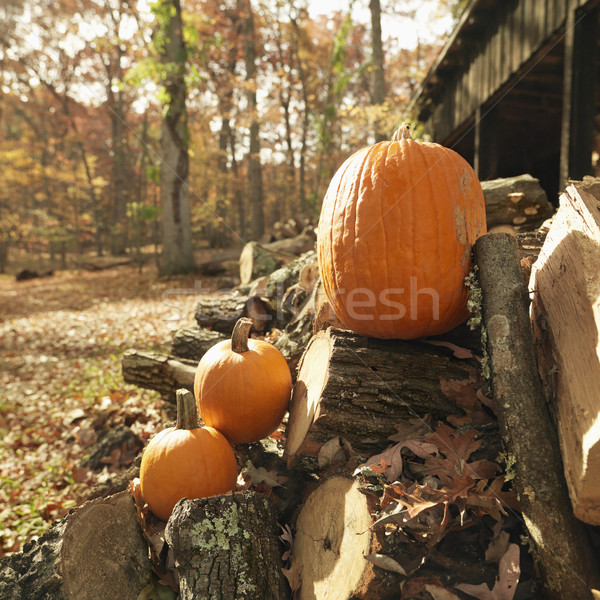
(515, 90)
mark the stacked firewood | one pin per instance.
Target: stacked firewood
(404, 469)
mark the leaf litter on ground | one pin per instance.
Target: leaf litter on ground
(61, 342)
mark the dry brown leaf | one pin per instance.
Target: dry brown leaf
(331, 452)
(293, 574)
(458, 351)
(506, 583)
(390, 461)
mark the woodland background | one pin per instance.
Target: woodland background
(276, 97)
(82, 104)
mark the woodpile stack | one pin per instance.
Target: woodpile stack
(410, 469)
(351, 393)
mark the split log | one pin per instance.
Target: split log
(291, 228)
(302, 272)
(219, 263)
(359, 388)
(296, 335)
(100, 263)
(258, 260)
(97, 551)
(227, 548)
(560, 544)
(119, 437)
(193, 342)
(297, 245)
(565, 286)
(159, 372)
(221, 312)
(517, 201)
(263, 301)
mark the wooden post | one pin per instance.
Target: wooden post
(578, 93)
(583, 105)
(486, 142)
(559, 542)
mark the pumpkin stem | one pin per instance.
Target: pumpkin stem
(402, 133)
(187, 413)
(239, 337)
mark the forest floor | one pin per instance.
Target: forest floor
(61, 342)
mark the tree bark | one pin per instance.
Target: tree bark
(227, 548)
(116, 110)
(560, 544)
(258, 260)
(220, 313)
(358, 388)
(177, 253)
(303, 77)
(159, 372)
(97, 551)
(193, 342)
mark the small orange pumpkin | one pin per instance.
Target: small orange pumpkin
(395, 234)
(243, 386)
(185, 461)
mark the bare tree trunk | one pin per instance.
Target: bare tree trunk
(305, 120)
(255, 189)
(238, 196)
(378, 82)
(177, 253)
(114, 71)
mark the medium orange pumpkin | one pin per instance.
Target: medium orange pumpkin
(243, 386)
(185, 461)
(394, 242)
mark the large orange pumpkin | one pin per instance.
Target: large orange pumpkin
(243, 386)
(185, 461)
(395, 235)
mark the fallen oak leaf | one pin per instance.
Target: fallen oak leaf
(506, 583)
(465, 397)
(288, 540)
(411, 429)
(440, 593)
(261, 475)
(390, 461)
(293, 574)
(498, 544)
(458, 351)
(454, 452)
(331, 452)
(491, 499)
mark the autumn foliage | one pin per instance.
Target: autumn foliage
(81, 109)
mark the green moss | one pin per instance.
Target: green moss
(475, 304)
(509, 461)
(215, 533)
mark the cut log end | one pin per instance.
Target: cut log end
(333, 536)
